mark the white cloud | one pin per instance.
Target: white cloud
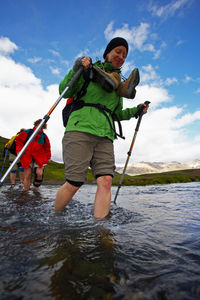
(137, 37)
(148, 75)
(170, 81)
(6, 46)
(157, 95)
(162, 135)
(127, 67)
(62, 61)
(34, 60)
(169, 9)
(82, 53)
(180, 42)
(197, 91)
(55, 71)
(187, 79)
(197, 139)
(188, 119)
(24, 100)
(157, 52)
(13, 74)
(54, 52)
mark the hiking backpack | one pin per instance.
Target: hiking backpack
(12, 142)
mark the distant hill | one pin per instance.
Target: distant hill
(54, 173)
(159, 167)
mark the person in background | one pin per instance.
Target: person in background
(10, 145)
(36, 156)
(90, 130)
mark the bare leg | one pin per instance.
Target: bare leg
(103, 197)
(12, 178)
(21, 177)
(39, 172)
(64, 195)
(27, 179)
(39, 176)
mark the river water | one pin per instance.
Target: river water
(148, 248)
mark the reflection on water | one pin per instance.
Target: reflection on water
(148, 248)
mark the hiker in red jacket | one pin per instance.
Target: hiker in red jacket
(12, 155)
(36, 155)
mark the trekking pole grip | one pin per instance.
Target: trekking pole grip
(141, 115)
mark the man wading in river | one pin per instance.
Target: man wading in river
(90, 130)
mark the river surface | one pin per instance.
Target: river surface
(147, 249)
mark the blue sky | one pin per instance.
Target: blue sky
(39, 41)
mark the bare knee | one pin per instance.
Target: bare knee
(70, 187)
(38, 176)
(39, 172)
(64, 195)
(104, 182)
(27, 173)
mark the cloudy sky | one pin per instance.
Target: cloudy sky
(39, 41)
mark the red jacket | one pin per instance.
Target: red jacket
(39, 150)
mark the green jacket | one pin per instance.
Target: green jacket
(90, 119)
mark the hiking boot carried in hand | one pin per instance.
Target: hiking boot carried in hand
(127, 88)
(108, 81)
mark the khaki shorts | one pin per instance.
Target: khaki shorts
(12, 157)
(82, 150)
(33, 165)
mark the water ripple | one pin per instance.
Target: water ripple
(147, 248)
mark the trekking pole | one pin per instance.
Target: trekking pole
(130, 150)
(4, 163)
(44, 120)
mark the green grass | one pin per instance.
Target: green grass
(189, 175)
(3, 141)
(54, 174)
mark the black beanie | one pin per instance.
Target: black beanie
(118, 41)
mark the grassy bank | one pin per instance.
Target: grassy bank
(189, 175)
(54, 174)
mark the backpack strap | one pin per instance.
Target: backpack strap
(88, 76)
(119, 126)
(29, 133)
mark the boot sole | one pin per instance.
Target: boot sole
(135, 78)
